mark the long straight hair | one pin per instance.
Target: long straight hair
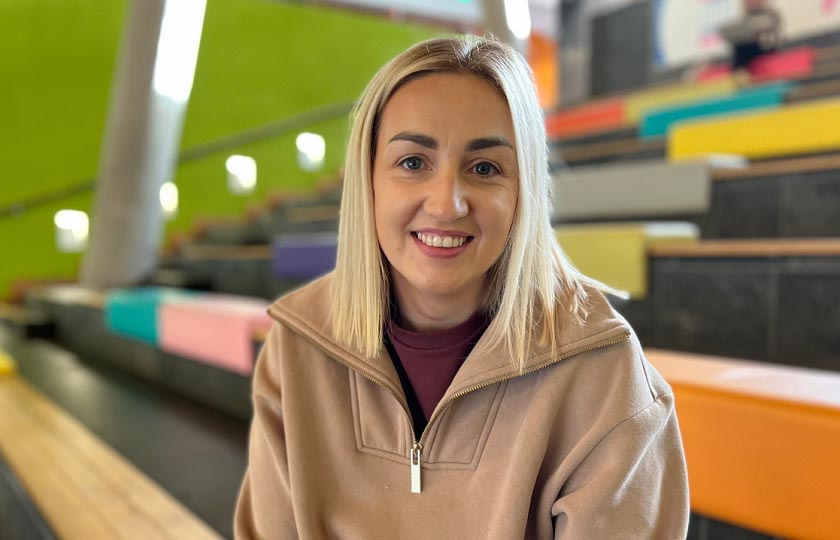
(530, 282)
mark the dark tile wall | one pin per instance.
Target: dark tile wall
(809, 314)
(712, 307)
(704, 528)
(810, 204)
(791, 206)
(780, 310)
(744, 209)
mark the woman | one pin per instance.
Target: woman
(455, 377)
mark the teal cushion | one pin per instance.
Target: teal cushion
(134, 312)
(657, 122)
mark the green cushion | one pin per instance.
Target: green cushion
(657, 122)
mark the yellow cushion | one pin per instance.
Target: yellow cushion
(7, 365)
(798, 129)
(617, 254)
(640, 103)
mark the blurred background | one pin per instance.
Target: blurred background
(172, 166)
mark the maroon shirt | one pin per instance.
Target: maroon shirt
(431, 359)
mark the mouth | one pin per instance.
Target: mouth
(442, 240)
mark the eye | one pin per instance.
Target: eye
(485, 168)
(412, 163)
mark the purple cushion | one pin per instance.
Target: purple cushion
(304, 256)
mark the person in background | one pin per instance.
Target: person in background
(455, 377)
(758, 32)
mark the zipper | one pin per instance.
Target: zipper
(416, 452)
(415, 456)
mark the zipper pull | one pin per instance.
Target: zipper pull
(416, 452)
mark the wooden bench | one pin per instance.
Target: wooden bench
(776, 167)
(198, 252)
(602, 150)
(817, 90)
(80, 485)
(761, 442)
(770, 247)
(70, 294)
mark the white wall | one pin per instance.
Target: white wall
(686, 29)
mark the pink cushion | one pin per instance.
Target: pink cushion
(789, 64)
(216, 329)
(794, 63)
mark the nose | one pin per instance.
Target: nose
(446, 196)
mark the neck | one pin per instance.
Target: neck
(431, 313)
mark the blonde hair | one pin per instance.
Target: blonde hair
(531, 277)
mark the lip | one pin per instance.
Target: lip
(441, 252)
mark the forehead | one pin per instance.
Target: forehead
(447, 104)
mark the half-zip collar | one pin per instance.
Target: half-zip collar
(306, 311)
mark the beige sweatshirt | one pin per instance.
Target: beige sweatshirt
(585, 445)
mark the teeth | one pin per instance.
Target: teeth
(442, 241)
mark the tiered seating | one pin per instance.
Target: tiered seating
(657, 122)
(796, 129)
(644, 189)
(626, 110)
(641, 102)
(763, 283)
(248, 257)
(773, 300)
(586, 138)
(788, 64)
(134, 312)
(299, 214)
(82, 488)
(303, 257)
(617, 254)
(137, 332)
(231, 269)
(791, 197)
(741, 299)
(589, 118)
(217, 329)
(761, 442)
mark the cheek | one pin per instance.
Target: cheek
(387, 216)
(502, 211)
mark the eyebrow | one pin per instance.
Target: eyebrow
(419, 138)
(429, 142)
(487, 142)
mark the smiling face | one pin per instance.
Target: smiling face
(445, 182)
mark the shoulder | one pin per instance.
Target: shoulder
(611, 375)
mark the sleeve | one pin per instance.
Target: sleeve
(633, 484)
(264, 508)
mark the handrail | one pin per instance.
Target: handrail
(198, 152)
